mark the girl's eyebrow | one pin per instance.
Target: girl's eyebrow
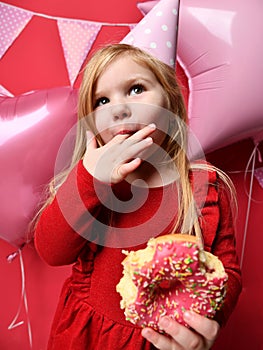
(136, 78)
(129, 81)
(98, 94)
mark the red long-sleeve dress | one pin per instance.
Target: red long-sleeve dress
(74, 229)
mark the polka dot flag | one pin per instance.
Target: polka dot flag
(77, 38)
(13, 21)
(157, 32)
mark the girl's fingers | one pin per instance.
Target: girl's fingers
(125, 169)
(91, 142)
(144, 132)
(202, 335)
(208, 328)
(161, 342)
(118, 139)
(140, 135)
(183, 336)
(136, 149)
(119, 157)
(124, 148)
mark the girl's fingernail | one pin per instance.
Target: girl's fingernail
(149, 140)
(152, 125)
(148, 334)
(164, 322)
(187, 316)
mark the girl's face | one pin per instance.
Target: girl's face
(123, 100)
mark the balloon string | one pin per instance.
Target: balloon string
(253, 159)
(69, 19)
(23, 299)
(259, 153)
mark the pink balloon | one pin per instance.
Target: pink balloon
(32, 127)
(220, 49)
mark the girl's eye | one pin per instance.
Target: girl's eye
(136, 89)
(101, 101)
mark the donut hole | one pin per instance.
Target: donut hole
(210, 270)
(170, 285)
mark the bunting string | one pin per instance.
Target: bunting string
(33, 13)
(77, 35)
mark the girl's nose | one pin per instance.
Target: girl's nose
(120, 111)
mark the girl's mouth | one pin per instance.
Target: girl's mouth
(126, 132)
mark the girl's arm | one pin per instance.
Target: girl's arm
(66, 225)
(218, 228)
(224, 246)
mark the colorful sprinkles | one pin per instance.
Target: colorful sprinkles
(173, 282)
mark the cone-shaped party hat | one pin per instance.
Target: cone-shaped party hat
(156, 33)
(146, 7)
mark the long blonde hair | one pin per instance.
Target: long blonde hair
(165, 75)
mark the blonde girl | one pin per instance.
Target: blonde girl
(124, 136)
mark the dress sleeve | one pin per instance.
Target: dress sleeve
(66, 226)
(218, 228)
(224, 246)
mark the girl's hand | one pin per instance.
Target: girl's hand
(201, 336)
(119, 157)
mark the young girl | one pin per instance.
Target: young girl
(129, 180)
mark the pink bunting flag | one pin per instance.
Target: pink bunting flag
(13, 20)
(259, 175)
(77, 38)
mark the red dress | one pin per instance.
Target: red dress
(74, 229)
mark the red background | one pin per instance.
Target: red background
(36, 61)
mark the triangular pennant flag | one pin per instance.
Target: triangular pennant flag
(13, 20)
(77, 39)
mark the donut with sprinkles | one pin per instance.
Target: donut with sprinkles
(171, 275)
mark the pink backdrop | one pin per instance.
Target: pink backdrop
(36, 61)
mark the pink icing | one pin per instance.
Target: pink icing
(172, 283)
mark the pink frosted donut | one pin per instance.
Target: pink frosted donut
(171, 275)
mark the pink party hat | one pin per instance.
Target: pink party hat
(156, 33)
(146, 6)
